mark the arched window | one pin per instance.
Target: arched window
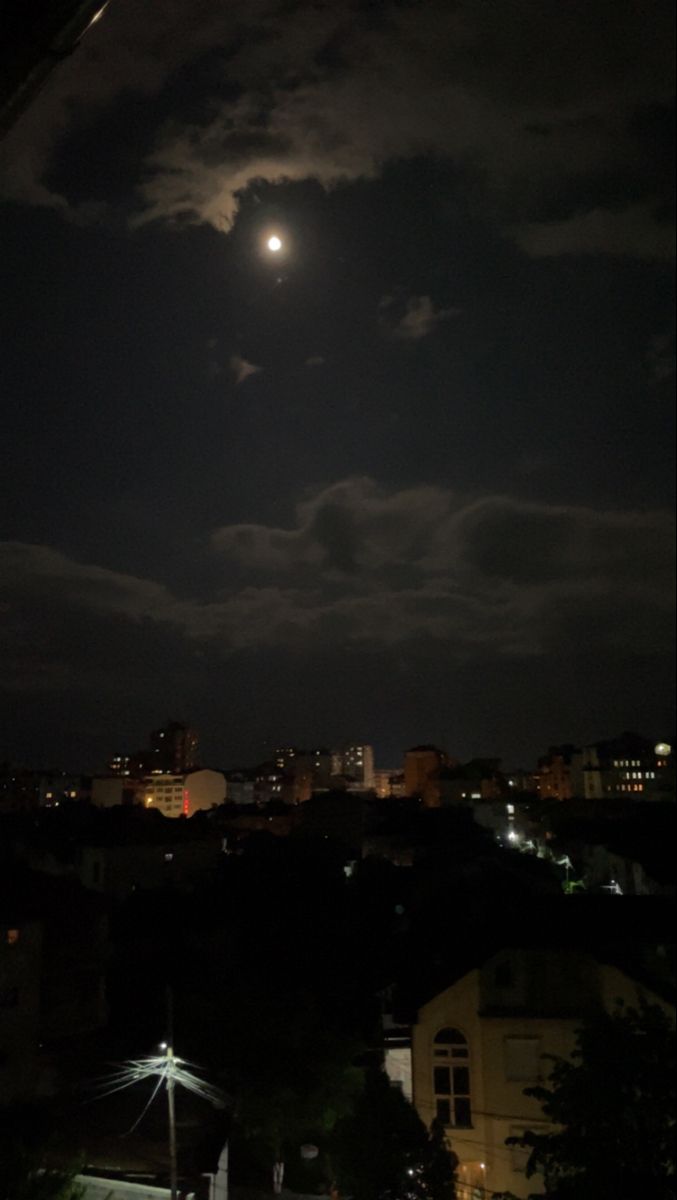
(451, 1078)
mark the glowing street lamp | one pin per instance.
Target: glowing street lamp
(171, 1071)
(274, 244)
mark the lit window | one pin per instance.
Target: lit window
(451, 1079)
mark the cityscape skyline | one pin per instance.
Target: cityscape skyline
(337, 593)
(116, 750)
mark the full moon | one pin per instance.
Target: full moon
(274, 243)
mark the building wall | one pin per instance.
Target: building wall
(174, 748)
(388, 783)
(504, 1057)
(358, 762)
(397, 1066)
(20, 964)
(421, 765)
(628, 767)
(555, 779)
(118, 871)
(240, 788)
(206, 789)
(108, 791)
(165, 793)
(307, 772)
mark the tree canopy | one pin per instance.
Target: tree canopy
(612, 1107)
(383, 1151)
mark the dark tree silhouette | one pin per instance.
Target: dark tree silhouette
(383, 1151)
(613, 1111)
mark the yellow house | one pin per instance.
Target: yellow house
(477, 1045)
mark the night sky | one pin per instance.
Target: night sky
(411, 480)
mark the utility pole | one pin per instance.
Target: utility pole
(171, 1110)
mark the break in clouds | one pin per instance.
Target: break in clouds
(359, 566)
(534, 102)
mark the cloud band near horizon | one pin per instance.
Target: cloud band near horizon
(364, 567)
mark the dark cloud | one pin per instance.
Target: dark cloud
(412, 320)
(372, 567)
(364, 565)
(528, 98)
(511, 159)
(637, 231)
(400, 577)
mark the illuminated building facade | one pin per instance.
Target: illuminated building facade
(388, 783)
(182, 795)
(629, 767)
(554, 773)
(422, 765)
(174, 748)
(477, 1045)
(466, 784)
(356, 764)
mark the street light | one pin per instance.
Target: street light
(171, 1071)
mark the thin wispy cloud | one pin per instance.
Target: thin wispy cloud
(241, 369)
(417, 320)
(636, 231)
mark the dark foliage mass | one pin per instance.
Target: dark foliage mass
(24, 1142)
(613, 1111)
(383, 1151)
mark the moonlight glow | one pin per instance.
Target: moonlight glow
(274, 243)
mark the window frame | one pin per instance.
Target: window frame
(452, 1054)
